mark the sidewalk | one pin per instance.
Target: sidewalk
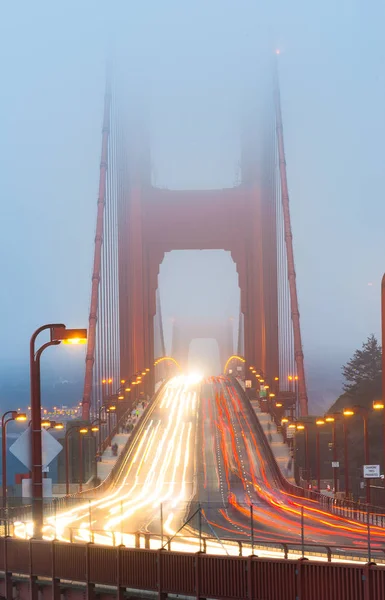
(278, 446)
(105, 466)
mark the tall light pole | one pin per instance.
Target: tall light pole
(364, 413)
(82, 431)
(13, 416)
(319, 423)
(58, 334)
(302, 427)
(332, 419)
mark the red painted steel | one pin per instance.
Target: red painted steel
(320, 581)
(41, 558)
(103, 565)
(90, 357)
(17, 555)
(223, 577)
(298, 352)
(199, 575)
(267, 577)
(178, 572)
(139, 569)
(70, 561)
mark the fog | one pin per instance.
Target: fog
(198, 63)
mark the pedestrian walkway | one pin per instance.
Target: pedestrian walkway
(280, 449)
(105, 466)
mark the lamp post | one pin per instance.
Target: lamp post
(13, 416)
(332, 419)
(319, 423)
(101, 408)
(302, 427)
(346, 458)
(82, 431)
(58, 334)
(364, 413)
(95, 428)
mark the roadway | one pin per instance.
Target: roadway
(155, 480)
(236, 474)
(198, 448)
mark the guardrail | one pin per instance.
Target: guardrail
(345, 508)
(56, 565)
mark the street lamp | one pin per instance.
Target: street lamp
(302, 427)
(13, 416)
(58, 334)
(332, 419)
(364, 413)
(319, 422)
(82, 431)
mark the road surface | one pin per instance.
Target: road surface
(198, 449)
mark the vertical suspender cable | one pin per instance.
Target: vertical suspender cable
(90, 356)
(303, 401)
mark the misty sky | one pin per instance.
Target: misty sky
(198, 59)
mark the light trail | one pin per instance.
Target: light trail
(234, 472)
(158, 470)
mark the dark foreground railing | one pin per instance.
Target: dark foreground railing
(56, 568)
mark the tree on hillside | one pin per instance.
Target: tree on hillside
(363, 370)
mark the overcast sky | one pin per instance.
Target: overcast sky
(198, 58)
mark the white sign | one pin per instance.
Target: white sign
(230, 371)
(248, 383)
(22, 448)
(239, 368)
(335, 464)
(26, 488)
(371, 471)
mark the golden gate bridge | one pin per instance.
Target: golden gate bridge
(196, 503)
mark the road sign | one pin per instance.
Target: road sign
(335, 464)
(248, 383)
(371, 471)
(22, 448)
(239, 368)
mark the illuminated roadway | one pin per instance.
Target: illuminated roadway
(198, 447)
(236, 473)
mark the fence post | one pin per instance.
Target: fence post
(8, 584)
(367, 578)
(120, 590)
(55, 581)
(33, 589)
(298, 572)
(90, 587)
